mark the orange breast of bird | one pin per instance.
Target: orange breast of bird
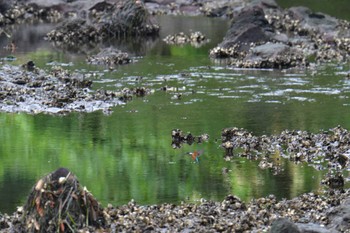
(195, 154)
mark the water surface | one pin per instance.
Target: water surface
(128, 154)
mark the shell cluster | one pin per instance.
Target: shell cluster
(33, 90)
(126, 18)
(20, 13)
(330, 148)
(230, 215)
(194, 38)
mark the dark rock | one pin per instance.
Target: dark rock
(124, 18)
(273, 55)
(305, 37)
(249, 26)
(339, 217)
(283, 225)
(334, 181)
(311, 21)
(312, 228)
(5, 5)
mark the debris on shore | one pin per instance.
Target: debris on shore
(58, 203)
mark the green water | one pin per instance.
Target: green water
(128, 154)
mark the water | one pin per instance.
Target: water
(128, 154)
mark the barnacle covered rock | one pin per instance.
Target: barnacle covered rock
(58, 202)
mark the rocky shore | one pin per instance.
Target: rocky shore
(58, 202)
(263, 35)
(33, 90)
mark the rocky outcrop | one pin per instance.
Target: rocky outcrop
(109, 56)
(338, 221)
(340, 217)
(32, 90)
(266, 36)
(121, 19)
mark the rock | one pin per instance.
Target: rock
(33, 90)
(312, 228)
(270, 50)
(273, 55)
(299, 36)
(283, 225)
(339, 217)
(109, 56)
(250, 26)
(311, 21)
(5, 5)
(124, 18)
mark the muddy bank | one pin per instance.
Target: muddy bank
(263, 35)
(33, 90)
(59, 203)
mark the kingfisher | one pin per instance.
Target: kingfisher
(195, 155)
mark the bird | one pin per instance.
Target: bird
(195, 155)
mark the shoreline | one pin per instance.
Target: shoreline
(327, 212)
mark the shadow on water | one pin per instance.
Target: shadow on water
(128, 154)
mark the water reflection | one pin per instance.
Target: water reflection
(129, 155)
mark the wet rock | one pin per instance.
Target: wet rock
(265, 36)
(54, 92)
(109, 56)
(283, 225)
(250, 26)
(340, 216)
(312, 228)
(123, 18)
(334, 181)
(5, 5)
